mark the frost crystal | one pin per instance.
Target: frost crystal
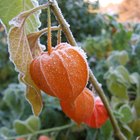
(42, 46)
(16, 22)
(81, 52)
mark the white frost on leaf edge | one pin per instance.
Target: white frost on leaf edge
(19, 19)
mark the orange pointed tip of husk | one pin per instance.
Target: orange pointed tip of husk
(81, 108)
(99, 115)
(63, 73)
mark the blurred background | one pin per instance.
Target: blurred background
(109, 32)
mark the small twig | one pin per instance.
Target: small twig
(43, 31)
(42, 131)
(59, 35)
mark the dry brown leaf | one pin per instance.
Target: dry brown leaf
(33, 94)
(21, 56)
(34, 99)
(19, 49)
(34, 44)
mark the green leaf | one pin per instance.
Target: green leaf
(107, 130)
(5, 132)
(14, 101)
(137, 105)
(119, 74)
(118, 81)
(116, 102)
(33, 122)
(30, 125)
(117, 89)
(21, 128)
(33, 22)
(50, 117)
(117, 58)
(12, 97)
(92, 134)
(135, 79)
(135, 125)
(126, 114)
(123, 75)
(8, 10)
(127, 131)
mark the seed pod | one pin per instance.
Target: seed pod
(99, 115)
(81, 108)
(62, 73)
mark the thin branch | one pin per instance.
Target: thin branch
(59, 35)
(65, 27)
(43, 31)
(42, 131)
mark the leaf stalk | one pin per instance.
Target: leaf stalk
(49, 32)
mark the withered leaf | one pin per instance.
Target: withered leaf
(33, 39)
(19, 49)
(34, 44)
(33, 94)
(21, 56)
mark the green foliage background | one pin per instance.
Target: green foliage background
(113, 51)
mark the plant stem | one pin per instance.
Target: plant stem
(53, 28)
(43, 31)
(49, 32)
(65, 27)
(99, 90)
(59, 36)
(42, 131)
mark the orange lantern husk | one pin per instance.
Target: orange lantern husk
(81, 108)
(99, 115)
(62, 73)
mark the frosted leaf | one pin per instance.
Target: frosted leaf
(21, 56)
(33, 95)
(10, 9)
(32, 15)
(17, 22)
(34, 44)
(43, 47)
(19, 49)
